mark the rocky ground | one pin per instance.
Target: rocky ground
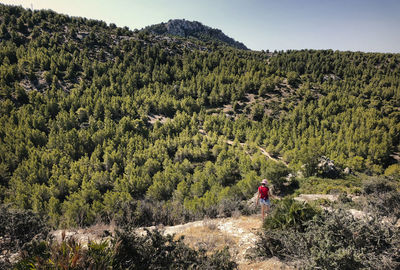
(238, 233)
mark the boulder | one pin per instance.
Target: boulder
(347, 170)
(327, 168)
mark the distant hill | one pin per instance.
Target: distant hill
(184, 28)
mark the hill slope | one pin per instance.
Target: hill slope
(80, 142)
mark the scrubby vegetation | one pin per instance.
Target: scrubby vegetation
(335, 239)
(27, 235)
(317, 185)
(127, 251)
(18, 229)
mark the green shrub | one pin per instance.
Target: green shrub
(277, 173)
(376, 185)
(99, 255)
(289, 213)
(69, 254)
(393, 171)
(317, 185)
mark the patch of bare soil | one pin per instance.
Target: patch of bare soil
(227, 109)
(154, 118)
(250, 97)
(313, 197)
(262, 150)
(396, 156)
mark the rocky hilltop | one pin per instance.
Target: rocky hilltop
(194, 29)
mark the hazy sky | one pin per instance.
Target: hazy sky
(356, 25)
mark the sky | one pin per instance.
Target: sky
(346, 25)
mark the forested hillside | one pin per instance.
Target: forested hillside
(100, 123)
(197, 30)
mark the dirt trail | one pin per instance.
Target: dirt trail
(262, 150)
(238, 233)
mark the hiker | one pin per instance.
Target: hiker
(263, 197)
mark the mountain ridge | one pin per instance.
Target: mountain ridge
(193, 29)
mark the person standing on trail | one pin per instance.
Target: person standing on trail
(263, 197)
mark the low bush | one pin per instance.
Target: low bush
(148, 213)
(335, 240)
(127, 251)
(69, 254)
(376, 185)
(19, 227)
(382, 197)
(289, 213)
(317, 185)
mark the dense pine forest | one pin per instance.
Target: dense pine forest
(95, 118)
(104, 124)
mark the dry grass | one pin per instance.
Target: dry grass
(207, 237)
(250, 223)
(210, 224)
(237, 233)
(270, 264)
